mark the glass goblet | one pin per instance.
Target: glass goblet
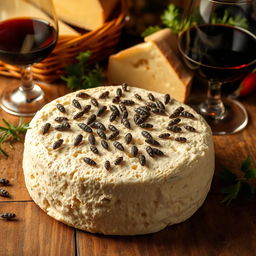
(28, 34)
(219, 45)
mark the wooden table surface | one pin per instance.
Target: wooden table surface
(214, 230)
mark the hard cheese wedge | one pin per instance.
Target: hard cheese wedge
(153, 65)
(87, 14)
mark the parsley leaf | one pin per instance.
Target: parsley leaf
(238, 185)
(231, 192)
(150, 30)
(250, 173)
(230, 20)
(246, 164)
(226, 176)
(81, 75)
(172, 18)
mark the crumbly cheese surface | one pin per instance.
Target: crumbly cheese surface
(128, 198)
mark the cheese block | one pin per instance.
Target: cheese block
(26, 9)
(86, 14)
(153, 65)
(68, 175)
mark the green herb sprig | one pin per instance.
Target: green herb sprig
(150, 30)
(172, 18)
(233, 21)
(238, 185)
(81, 75)
(10, 134)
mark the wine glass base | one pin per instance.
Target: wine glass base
(234, 120)
(20, 102)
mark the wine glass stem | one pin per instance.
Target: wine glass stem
(26, 78)
(213, 107)
(30, 91)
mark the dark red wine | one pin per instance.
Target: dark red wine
(219, 52)
(25, 41)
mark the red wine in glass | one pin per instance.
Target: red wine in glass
(25, 40)
(219, 52)
(28, 34)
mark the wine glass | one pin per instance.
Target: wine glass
(28, 34)
(218, 43)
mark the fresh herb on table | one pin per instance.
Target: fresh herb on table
(81, 75)
(239, 185)
(10, 134)
(172, 18)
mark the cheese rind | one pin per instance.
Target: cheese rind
(166, 41)
(152, 65)
(129, 198)
(86, 14)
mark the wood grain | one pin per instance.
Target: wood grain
(34, 232)
(214, 230)
(13, 172)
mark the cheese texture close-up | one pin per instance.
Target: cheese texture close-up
(156, 176)
(153, 65)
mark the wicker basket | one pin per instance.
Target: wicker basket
(101, 42)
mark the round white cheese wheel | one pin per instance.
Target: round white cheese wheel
(164, 184)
